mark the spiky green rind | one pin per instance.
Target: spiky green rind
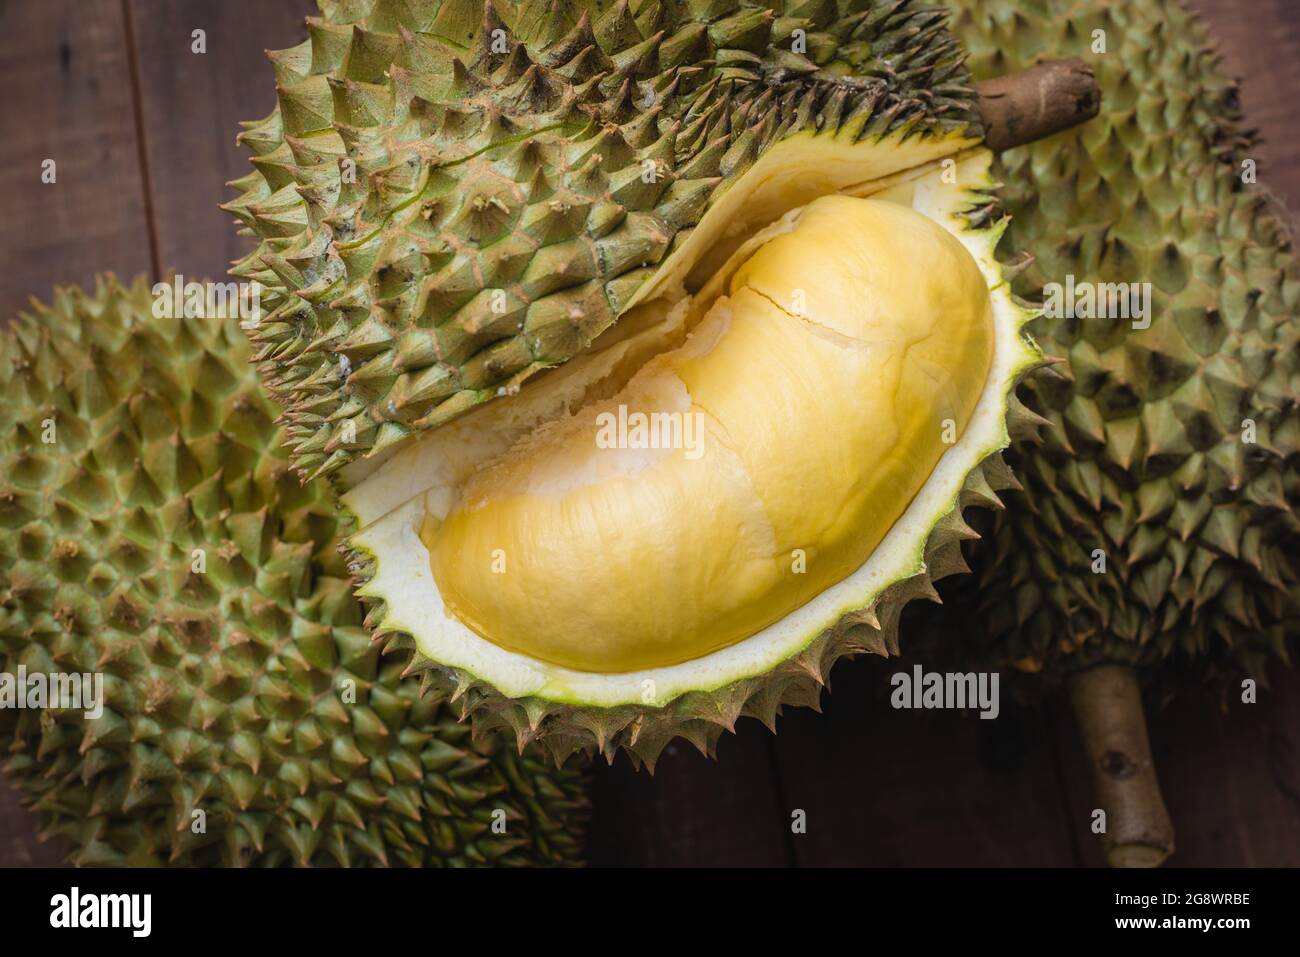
(1147, 462)
(452, 196)
(151, 530)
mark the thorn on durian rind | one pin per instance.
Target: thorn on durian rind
(385, 95)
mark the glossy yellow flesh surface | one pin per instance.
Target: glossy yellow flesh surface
(805, 411)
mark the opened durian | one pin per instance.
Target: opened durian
(1158, 534)
(656, 347)
(151, 531)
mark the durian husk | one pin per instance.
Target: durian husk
(427, 157)
(133, 445)
(1146, 460)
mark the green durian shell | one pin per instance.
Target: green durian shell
(452, 197)
(151, 530)
(1148, 462)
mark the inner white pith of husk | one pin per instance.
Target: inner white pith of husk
(391, 499)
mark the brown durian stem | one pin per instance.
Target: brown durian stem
(1032, 104)
(1108, 709)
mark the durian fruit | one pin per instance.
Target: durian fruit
(520, 257)
(151, 531)
(1174, 451)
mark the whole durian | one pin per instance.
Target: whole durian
(495, 234)
(151, 531)
(1174, 456)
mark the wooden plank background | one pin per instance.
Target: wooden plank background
(142, 131)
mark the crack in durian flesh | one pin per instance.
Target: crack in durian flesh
(848, 351)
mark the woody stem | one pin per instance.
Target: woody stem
(1108, 710)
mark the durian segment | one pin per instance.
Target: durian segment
(393, 504)
(784, 439)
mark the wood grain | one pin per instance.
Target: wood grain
(67, 99)
(192, 104)
(18, 827)
(1232, 778)
(693, 811)
(1260, 46)
(889, 787)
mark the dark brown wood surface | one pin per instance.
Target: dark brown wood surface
(67, 71)
(142, 131)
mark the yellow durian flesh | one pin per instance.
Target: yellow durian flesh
(848, 353)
